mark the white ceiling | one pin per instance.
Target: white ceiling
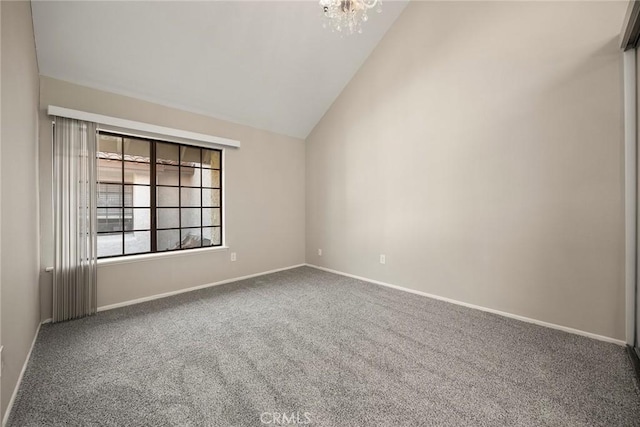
(267, 64)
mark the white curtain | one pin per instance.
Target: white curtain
(74, 204)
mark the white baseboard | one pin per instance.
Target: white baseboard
(7, 412)
(478, 307)
(194, 288)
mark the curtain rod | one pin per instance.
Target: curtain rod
(53, 110)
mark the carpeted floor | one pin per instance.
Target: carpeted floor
(325, 348)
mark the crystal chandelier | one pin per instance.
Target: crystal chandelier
(347, 15)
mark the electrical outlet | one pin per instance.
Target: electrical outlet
(319, 252)
(383, 259)
(233, 256)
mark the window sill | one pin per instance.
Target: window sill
(151, 257)
(160, 255)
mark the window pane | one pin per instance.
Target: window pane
(210, 216)
(137, 150)
(211, 198)
(212, 236)
(168, 218)
(109, 220)
(166, 153)
(189, 177)
(109, 195)
(190, 156)
(137, 196)
(167, 196)
(191, 238)
(137, 219)
(189, 197)
(190, 217)
(136, 173)
(109, 147)
(211, 159)
(168, 240)
(128, 219)
(166, 175)
(109, 244)
(109, 170)
(210, 178)
(137, 242)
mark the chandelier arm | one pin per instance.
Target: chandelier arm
(347, 15)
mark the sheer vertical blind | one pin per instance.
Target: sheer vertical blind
(74, 202)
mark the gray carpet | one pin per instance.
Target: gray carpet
(334, 350)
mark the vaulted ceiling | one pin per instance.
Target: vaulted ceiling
(266, 64)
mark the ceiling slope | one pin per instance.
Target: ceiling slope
(267, 64)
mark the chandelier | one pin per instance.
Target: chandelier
(347, 15)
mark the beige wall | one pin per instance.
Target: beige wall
(480, 149)
(19, 182)
(264, 201)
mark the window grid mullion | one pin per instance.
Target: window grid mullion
(153, 196)
(122, 200)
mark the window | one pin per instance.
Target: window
(156, 196)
